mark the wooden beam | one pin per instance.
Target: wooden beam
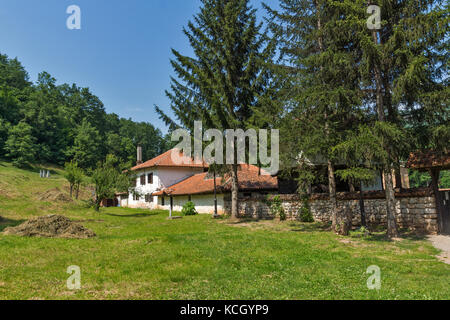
(434, 173)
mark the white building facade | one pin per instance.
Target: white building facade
(163, 184)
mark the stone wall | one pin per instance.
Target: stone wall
(415, 208)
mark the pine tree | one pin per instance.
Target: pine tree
(20, 145)
(320, 78)
(398, 75)
(226, 82)
(405, 63)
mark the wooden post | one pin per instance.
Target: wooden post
(434, 173)
(215, 196)
(361, 205)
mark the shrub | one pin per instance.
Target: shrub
(305, 215)
(276, 208)
(189, 209)
(282, 214)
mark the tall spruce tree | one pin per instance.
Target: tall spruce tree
(227, 81)
(320, 78)
(405, 63)
(398, 81)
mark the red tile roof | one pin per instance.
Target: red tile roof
(249, 179)
(165, 160)
(422, 160)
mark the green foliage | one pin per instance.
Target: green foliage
(86, 147)
(4, 129)
(282, 214)
(419, 179)
(226, 83)
(305, 215)
(109, 179)
(74, 175)
(68, 122)
(441, 138)
(189, 209)
(20, 146)
(444, 181)
(276, 207)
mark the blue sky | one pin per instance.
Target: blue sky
(122, 52)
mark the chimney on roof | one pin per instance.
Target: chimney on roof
(139, 155)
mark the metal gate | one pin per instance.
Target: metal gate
(444, 199)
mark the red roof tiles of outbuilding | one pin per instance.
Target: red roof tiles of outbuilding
(249, 178)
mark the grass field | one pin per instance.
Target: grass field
(139, 254)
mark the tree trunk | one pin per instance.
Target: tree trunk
(390, 194)
(77, 191)
(234, 191)
(336, 218)
(392, 231)
(435, 173)
(332, 192)
(71, 190)
(215, 196)
(398, 177)
(361, 206)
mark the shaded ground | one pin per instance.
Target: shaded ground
(442, 243)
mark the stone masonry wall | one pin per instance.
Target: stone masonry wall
(415, 208)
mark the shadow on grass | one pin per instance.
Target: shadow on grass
(311, 227)
(380, 236)
(5, 223)
(131, 215)
(290, 225)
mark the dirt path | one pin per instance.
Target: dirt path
(442, 243)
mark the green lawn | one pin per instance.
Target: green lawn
(140, 254)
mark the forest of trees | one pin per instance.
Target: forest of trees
(44, 122)
(341, 93)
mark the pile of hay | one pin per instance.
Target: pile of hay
(52, 226)
(54, 195)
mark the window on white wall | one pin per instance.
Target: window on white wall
(150, 178)
(143, 180)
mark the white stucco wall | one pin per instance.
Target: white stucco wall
(204, 203)
(162, 178)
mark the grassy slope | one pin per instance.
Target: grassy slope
(139, 254)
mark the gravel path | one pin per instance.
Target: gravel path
(442, 243)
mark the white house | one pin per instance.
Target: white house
(162, 183)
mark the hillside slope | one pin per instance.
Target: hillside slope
(23, 194)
